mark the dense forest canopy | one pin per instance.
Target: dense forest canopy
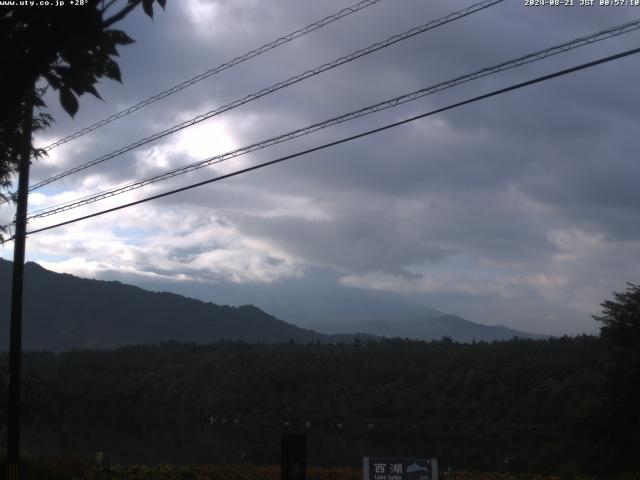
(472, 405)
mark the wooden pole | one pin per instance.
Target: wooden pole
(15, 336)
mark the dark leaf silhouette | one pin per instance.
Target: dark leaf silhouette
(112, 70)
(147, 6)
(119, 37)
(68, 101)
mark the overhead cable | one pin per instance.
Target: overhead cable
(209, 73)
(393, 102)
(277, 86)
(343, 140)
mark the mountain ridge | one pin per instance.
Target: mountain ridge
(429, 328)
(62, 311)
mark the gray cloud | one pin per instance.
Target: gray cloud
(523, 203)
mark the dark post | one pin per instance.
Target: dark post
(15, 336)
(294, 457)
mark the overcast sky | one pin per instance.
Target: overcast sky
(522, 209)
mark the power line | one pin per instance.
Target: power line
(209, 73)
(525, 59)
(346, 139)
(337, 423)
(278, 86)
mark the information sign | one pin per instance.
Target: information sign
(377, 468)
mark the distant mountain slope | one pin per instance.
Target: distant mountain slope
(429, 328)
(317, 300)
(312, 300)
(63, 311)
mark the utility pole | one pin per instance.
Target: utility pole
(15, 336)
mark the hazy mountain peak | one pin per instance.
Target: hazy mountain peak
(63, 311)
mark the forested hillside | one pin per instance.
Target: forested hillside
(516, 405)
(64, 312)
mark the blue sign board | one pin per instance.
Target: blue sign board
(378, 468)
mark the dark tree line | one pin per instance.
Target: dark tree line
(561, 405)
(614, 417)
(525, 395)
